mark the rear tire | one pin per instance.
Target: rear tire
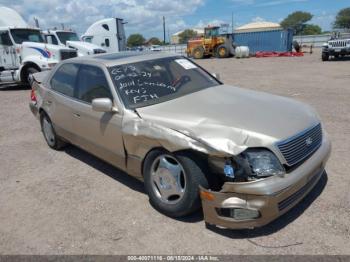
(190, 178)
(198, 52)
(49, 133)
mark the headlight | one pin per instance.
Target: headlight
(264, 163)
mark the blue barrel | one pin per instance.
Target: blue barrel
(270, 41)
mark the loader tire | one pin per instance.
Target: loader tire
(222, 51)
(198, 53)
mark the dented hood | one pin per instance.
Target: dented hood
(230, 119)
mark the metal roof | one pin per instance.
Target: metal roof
(258, 26)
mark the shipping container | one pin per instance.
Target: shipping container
(271, 41)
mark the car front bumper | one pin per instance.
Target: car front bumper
(271, 197)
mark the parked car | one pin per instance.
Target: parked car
(249, 156)
(155, 48)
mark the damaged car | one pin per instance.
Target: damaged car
(246, 157)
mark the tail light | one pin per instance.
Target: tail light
(33, 96)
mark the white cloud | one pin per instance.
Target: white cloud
(204, 23)
(258, 19)
(324, 20)
(143, 16)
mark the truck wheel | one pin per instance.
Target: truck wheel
(29, 72)
(336, 56)
(325, 56)
(222, 51)
(49, 133)
(172, 182)
(198, 52)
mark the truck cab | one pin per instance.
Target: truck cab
(23, 50)
(70, 39)
(107, 33)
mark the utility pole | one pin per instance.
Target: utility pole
(164, 29)
(232, 26)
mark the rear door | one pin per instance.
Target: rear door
(58, 100)
(97, 132)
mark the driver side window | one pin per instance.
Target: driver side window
(91, 84)
(5, 39)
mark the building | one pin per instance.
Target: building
(175, 39)
(258, 27)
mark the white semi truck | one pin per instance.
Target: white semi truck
(108, 33)
(70, 39)
(23, 50)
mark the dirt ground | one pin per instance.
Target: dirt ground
(69, 202)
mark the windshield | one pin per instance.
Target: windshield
(26, 35)
(155, 81)
(67, 36)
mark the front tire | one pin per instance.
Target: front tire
(198, 52)
(49, 133)
(172, 182)
(325, 56)
(222, 52)
(29, 72)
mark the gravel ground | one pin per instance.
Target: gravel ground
(69, 202)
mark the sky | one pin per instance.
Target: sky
(145, 16)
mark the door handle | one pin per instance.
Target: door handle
(76, 114)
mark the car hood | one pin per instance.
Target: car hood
(230, 119)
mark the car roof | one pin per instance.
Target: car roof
(114, 59)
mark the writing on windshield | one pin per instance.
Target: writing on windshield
(154, 81)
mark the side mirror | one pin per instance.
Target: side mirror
(103, 105)
(216, 75)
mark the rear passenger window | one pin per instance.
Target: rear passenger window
(92, 83)
(64, 78)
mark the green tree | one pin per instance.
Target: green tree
(296, 21)
(135, 40)
(311, 29)
(186, 35)
(154, 41)
(342, 19)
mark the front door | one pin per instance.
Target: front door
(97, 132)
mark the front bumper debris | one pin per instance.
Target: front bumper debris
(257, 203)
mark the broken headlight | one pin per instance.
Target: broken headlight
(231, 169)
(264, 163)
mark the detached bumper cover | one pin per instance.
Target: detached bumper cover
(271, 197)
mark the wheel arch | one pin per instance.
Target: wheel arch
(24, 68)
(196, 155)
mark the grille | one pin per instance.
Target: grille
(99, 51)
(66, 54)
(302, 145)
(338, 44)
(295, 196)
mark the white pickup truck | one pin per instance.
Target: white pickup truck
(70, 39)
(23, 50)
